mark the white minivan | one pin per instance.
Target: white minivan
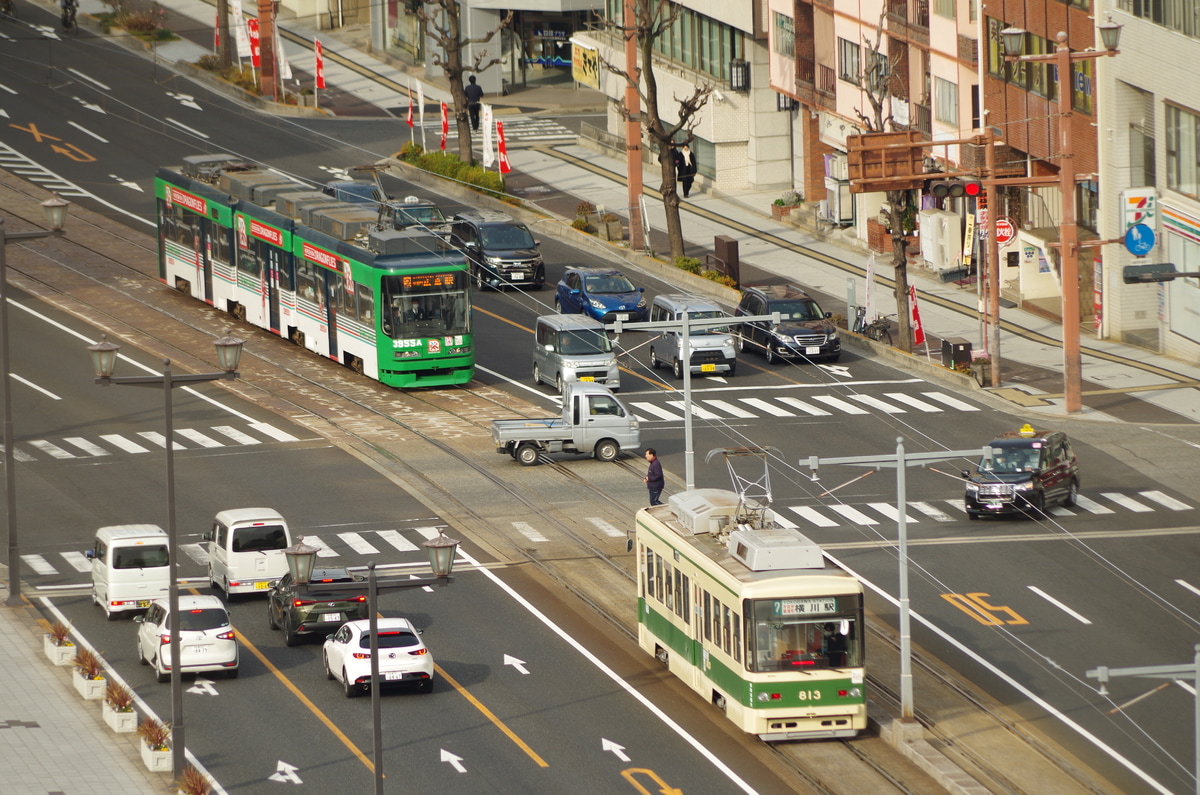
(130, 567)
(245, 549)
(712, 348)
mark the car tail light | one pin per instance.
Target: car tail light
(164, 639)
(230, 635)
(360, 598)
(419, 652)
(361, 655)
(302, 602)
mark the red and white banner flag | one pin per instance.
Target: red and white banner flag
(217, 34)
(410, 107)
(915, 315)
(285, 68)
(445, 124)
(505, 166)
(320, 63)
(255, 44)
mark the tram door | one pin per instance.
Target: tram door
(209, 246)
(332, 288)
(271, 271)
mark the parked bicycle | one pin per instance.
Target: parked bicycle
(879, 329)
(69, 9)
(8, 8)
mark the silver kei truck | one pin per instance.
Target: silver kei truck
(593, 421)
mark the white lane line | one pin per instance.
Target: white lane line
(952, 402)
(1165, 500)
(51, 449)
(359, 544)
(91, 448)
(78, 561)
(812, 516)
(909, 400)
(1189, 586)
(932, 511)
(91, 80)
(39, 565)
(116, 440)
(183, 126)
(698, 411)
(275, 433)
(236, 435)
(732, 410)
(193, 435)
(197, 552)
(32, 385)
(398, 541)
(770, 408)
(657, 411)
(528, 530)
(874, 402)
(323, 550)
(154, 437)
(1059, 605)
(807, 408)
(853, 514)
(86, 131)
(1059, 510)
(1091, 506)
(840, 404)
(606, 528)
(1126, 502)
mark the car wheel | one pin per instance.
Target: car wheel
(325, 660)
(141, 658)
(111, 615)
(289, 637)
(1072, 494)
(480, 283)
(1037, 505)
(654, 362)
(539, 280)
(232, 673)
(557, 306)
(732, 368)
(972, 515)
(537, 375)
(159, 673)
(741, 342)
(527, 454)
(347, 686)
(271, 622)
(426, 686)
(607, 450)
(770, 354)
(677, 369)
(558, 383)
(95, 597)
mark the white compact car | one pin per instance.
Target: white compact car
(403, 658)
(207, 641)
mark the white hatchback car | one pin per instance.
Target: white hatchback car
(403, 658)
(207, 641)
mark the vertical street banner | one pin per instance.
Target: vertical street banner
(320, 66)
(969, 241)
(421, 111)
(217, 35)
(505, 166)
(255, 44)
(869, 293)
(285, 68)
(239, 24)
(410, 107)
(445, 124)
(917, 330)
(489, 147)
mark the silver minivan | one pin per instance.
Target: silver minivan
(712, 349)
(573, 348)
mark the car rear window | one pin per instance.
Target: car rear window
(203, 618)
(259, 538)
(397, 639)
(139, 557)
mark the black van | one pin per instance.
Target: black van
(502, 250)
(1028, 470)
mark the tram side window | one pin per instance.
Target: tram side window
(669, 600)
(685, 593)
(306, 285)
(706, 618)
(681, 589)
(725, 639)
(337, 294)
(219, 241)
(366, 303)
(648, 579)
(658, 575)
(737, 638)
(282, 263)
(249, 263)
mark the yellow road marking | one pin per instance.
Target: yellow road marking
(487, 713)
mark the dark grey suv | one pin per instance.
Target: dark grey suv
(804, 331)
(502, 250)
(1029, 470)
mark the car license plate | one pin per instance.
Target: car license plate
(812, 350)
(708, 368)
(262, 586)
(199, 650)
(143, 603)
(587, 378)
(518, 277)
(332, 617)
(394, 675)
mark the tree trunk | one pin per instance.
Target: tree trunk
(898, 202)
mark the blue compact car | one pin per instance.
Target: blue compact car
(602, 293)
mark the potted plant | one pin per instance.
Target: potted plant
(88, 674)
(585, 212)
(118, 708)
(610, 227)
(155, 744)
(59, 649)
(785, 204)
(192, 782)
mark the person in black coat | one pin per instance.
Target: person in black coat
(685, 168)
(474, 94)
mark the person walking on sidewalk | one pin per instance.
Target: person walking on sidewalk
(474, 93)
(685, 168)
(654, 476)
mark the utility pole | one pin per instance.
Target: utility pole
(633, 128)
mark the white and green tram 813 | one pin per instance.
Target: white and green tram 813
(752, 616)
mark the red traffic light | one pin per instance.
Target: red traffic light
(955, 188)
(972, 187)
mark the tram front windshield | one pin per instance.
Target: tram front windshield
(426, 305)
(802, 634)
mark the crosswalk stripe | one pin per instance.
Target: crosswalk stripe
(783, 521)
(358, 543)
(813, 516)
(874, 402)
(932, 511)
(91, 448)
(192, 435)
(853, 514)
(236, 435)
(659, 412)
(959, 504)
(839, 404)
(699, 411)
(1165, 500)
(528, 530)
(1091, 506)
(807, 408)
(770, 408)
(952, 402)
(116, 440)
(1059, 510)
(731, 409)
(323, 550)
(39, 565)
(398, 541)
(1126, 502)
(429, 533)
(78, 561)
(197, 552)
(51, 449)
(891, 512)
(916, 403)
(606, 528)
(277, 434)
(154, 437)
(20, 455)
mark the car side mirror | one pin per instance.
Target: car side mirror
(139, 619)
(208, 535)
(537, 244)
(90, 554)
(966, 474)
(828, 315)
(641, 289)
(550, 348)
(273, 584)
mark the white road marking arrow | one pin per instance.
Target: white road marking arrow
(125, 183)
(840, 370)
(4, 113)
(285, 773)
(90, 106)
(617, 750)
(204, 687)
(184, 99)
(515, 663)
(47, 32)
(425, 588)
(455, 761)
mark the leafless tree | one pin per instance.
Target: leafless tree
(651, 18)
(443, 24)
(876, 83)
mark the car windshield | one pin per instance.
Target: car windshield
(506, 237)
(202, 618)
(796, 310)
(390, 639)
(577, 343)
(1011, 460)
(421, 216)
(354, 192)
(610, 284)
(704, 315)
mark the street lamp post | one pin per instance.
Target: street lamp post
(1062, 58)
(442, 551)
(56, 215)
(104, 360)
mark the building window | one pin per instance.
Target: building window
(946, 8)
(694, 40)
(785, 35)
(945, 96)
(849, 68)
(1178, 15)
(1183, 151)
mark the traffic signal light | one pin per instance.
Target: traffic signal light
(956, 188)
(1152, 272)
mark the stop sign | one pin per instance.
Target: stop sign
(1005, 231)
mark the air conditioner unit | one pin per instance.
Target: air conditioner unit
(941, 239)
(837, 166)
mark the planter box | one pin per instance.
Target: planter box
(155, 761)
(90, 689)
(120, 722)
(611, 230)
(59, 655)
(981, 370)
(779, 211)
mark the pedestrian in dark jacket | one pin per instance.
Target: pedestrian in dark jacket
(474, 93)
(654, 476)
(685, 168)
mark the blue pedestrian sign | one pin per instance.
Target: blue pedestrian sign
(1139, 240)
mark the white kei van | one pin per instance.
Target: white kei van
(245, 549)
(130, 567)
(573, 348)
(712, 349)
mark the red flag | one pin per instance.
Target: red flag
(505, 166)
(410, 107)
(918, 331)
(255, 44)
(445, 124)
(217, 35)
(320, 63)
